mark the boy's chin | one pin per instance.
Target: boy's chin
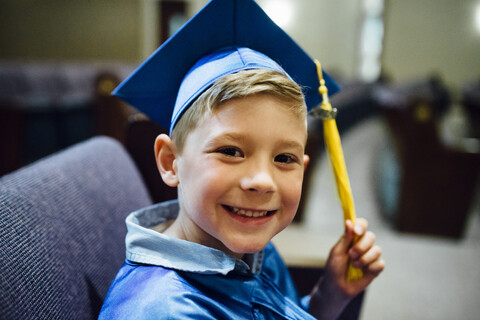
(240, 250)
(247, 244)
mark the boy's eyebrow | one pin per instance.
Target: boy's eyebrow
(293, 144)
(231, 136)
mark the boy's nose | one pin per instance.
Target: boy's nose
(261, 182)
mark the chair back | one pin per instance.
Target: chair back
(62, 230)
(140, 137)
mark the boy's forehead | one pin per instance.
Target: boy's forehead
(253, 41)
(236, 117)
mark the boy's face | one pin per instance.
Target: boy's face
(240, 174)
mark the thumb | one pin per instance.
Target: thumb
(345, 241)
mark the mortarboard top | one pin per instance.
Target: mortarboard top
(153, 87)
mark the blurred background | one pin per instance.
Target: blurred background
(409, 116)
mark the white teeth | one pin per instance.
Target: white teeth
(248, 213)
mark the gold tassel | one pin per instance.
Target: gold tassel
(334, 148)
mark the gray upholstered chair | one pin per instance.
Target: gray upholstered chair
(62, 230)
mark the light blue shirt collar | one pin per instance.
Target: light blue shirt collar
(147, 246)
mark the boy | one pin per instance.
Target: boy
(236, 154)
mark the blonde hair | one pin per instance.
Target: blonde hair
(237, 85)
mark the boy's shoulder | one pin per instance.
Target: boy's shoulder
(144, 292)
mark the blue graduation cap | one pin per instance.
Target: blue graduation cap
(226, 36)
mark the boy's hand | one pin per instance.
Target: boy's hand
(364, 254)
(334, 291)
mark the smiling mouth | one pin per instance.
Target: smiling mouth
(249, 213)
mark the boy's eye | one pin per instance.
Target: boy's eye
(230, 151)
(286, 158)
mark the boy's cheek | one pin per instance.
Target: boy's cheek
(294, 189)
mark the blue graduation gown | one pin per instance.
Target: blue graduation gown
(167, 278)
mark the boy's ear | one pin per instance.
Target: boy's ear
(306, 160)
(165, 155)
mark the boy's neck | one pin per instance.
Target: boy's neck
(176, 229)
(161, 228)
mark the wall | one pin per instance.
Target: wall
(126, 30)
(432, 36)
(70, 30)
(421, 37)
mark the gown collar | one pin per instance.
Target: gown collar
(147, 246)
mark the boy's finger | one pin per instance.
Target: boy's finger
(345, 241)
(376, 267)
(360, 226)
(351, 230)
(363, 245)
(369, 257)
